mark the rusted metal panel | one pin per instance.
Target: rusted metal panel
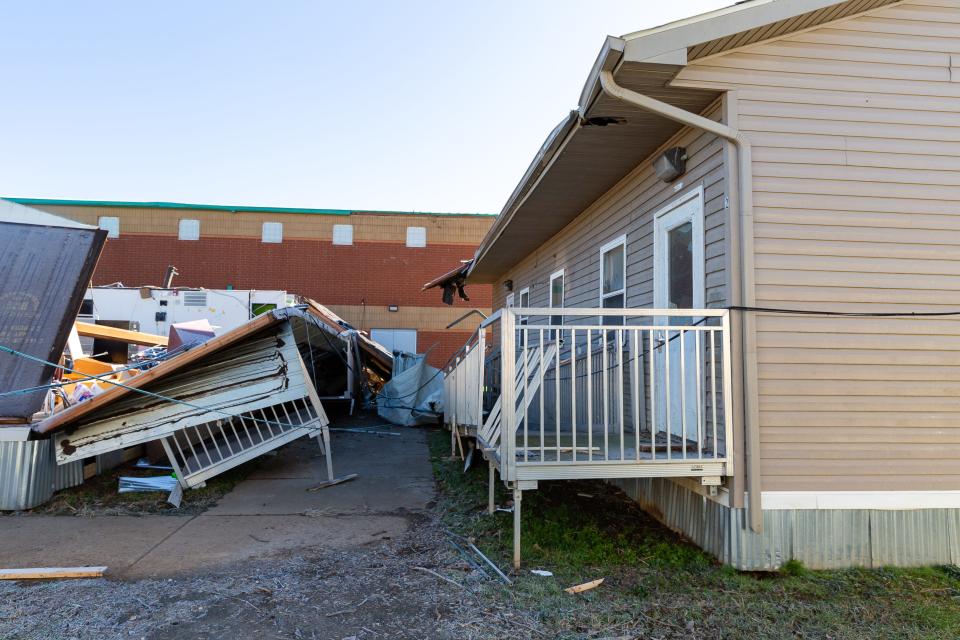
(45, 272)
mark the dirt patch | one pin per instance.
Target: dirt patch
(367, 593)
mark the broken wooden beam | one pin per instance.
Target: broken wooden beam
(51, 573)
(89, 330)
(330, 483)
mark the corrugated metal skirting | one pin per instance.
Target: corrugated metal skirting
(29, 475)
(820, 539)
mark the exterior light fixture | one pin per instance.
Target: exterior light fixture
(671, 164)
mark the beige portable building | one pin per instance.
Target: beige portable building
(779, 179)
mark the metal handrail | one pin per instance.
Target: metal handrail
(658, 397)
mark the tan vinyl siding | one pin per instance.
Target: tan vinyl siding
(856, 135)
(628, 209)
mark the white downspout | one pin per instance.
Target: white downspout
(745, 191)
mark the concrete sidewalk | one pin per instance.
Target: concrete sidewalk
(268, 513)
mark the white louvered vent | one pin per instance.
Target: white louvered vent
(194, 298)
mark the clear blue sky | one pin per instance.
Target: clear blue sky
(426, 106)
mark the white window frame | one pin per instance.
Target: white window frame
(110, 224)
(414, 243)
(523, 320)
(613, 244)
(342, 230)
(558, 275)
(186, 233)
(266, 232)
(523, 292)
(663, 221)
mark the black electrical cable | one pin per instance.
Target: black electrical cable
(848, 314)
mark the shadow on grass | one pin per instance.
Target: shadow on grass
(658, 584)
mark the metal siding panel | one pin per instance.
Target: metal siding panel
(910, 538)
(67, 475)
(26, 474)
(44, 275)
(820, 539)
(832, 538)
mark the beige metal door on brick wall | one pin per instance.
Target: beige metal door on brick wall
(396, 339)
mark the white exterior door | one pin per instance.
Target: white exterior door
(396, 339)
(679, 283)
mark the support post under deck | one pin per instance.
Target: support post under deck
(517, 497)
(324, 439)
(490, 486)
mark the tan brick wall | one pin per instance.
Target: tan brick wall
(369, 227)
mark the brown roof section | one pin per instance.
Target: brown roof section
(450, 277)
(59, 420)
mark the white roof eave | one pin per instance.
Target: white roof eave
(678, 36)
(21, 214)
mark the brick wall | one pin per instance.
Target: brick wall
(359, 281)
(374, 274)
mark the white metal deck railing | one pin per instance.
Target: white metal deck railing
(606, 393)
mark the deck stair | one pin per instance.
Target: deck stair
(606, 394)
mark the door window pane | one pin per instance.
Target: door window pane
(556, 292)
(556, 297)
(613, 269)
(680, 268)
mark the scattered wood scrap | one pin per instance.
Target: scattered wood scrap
(586, 586)
(51, 573)
(330, 483)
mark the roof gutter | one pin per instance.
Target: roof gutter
(748, 325)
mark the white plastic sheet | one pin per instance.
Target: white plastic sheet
(415, 393)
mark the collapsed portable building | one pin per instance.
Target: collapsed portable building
(212, 405)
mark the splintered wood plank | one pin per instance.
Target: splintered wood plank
(586, 586)
(89, 330)
(49, 573)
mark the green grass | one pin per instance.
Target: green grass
(659, 585)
